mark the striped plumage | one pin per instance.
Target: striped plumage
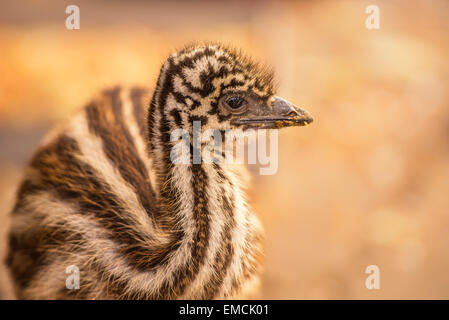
(101, 192)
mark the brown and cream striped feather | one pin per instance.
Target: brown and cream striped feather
(101, 194)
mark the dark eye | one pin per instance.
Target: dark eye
(236, 102)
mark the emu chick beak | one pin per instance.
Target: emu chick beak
(286, 114)
(275, 114)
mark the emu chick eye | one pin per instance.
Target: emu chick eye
(236, 102)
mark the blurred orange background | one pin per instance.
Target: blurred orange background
(366, 184)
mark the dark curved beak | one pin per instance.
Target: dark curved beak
(278, 113)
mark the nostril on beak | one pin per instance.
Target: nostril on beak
(293, 113)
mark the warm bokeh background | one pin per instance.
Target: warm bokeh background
(367, 183)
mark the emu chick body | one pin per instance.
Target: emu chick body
(102, 194)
